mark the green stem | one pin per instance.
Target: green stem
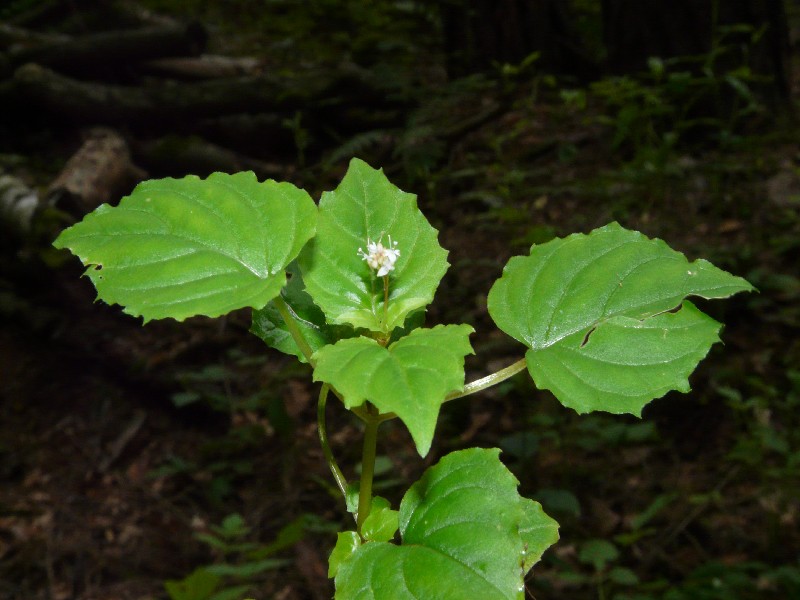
(489, 380)
(323, 440)
(291, 325)
(385, 300)
(367, 467)
(601, 595)
(472, 387)
(307, 351)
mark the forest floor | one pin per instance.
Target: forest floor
(124, 449)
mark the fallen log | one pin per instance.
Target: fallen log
(18, 37)
(100, 171)
(39, 89)
(206, 66)
(38, 12)
(176, 156)
(263, 135)
(100, 53)
(18, 205)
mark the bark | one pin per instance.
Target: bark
(18, 206)
(100, 171)
(80, 102)
(176, 156)
(262, 135)
(38, 91)
(82, 15)
(202, 67)
(18, 37)
(40, 11)
(104, 52)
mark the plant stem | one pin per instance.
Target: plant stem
(307, 351)
(323, 440)
(367, 466)
(600, 592)
(291, 325)
(489, 380)
(385, 300)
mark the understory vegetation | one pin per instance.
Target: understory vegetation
(182, 462)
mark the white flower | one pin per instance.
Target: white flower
(380, 257)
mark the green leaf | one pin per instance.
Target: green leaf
(248, 569)
(347, 542)
(409, 378)
(466, 532)
(268, 324)
(232, 526)
(351, 496)
(625, 363)
(366, 206)
(623, 576)
(200, 584)
(598, 553)
(592, 310)
(288, 536)
(538, 532)
(184, 247)
(382, 522)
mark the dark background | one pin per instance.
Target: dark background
(124, 450)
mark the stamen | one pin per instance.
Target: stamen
(380, 258)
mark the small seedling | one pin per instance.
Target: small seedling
(343, 285)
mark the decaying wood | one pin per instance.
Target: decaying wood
(260, 135)
(118, 447)
(18, 37)
(133, 14)
(176, 156)
(207, 66)
(100, 171)
(18, 205)
(40, 11)
(80, 102)
(88, 55)
(38, 88)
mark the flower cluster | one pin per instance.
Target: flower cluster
(379, 257)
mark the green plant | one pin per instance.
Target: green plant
(678, 101)
(344, 285)
(240, 563)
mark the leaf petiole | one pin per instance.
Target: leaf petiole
(291, 325)
(489, 380)
(341, 482)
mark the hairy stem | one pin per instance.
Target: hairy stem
(323, 440)
(367, 467)
(291, 325)
(489, 380)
